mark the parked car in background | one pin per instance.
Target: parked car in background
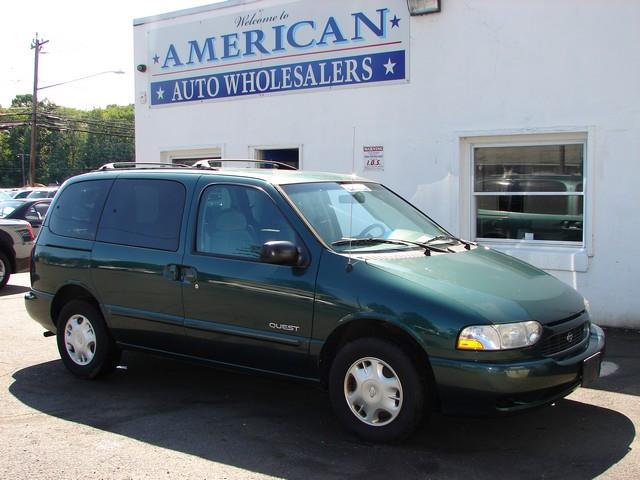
(46, 192)
(5, 196)
(33, 211)
(22, 193)
(16, 244)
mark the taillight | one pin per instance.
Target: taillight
(27, 235)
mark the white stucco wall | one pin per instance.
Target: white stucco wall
(477, 68)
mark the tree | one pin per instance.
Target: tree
(70, 141)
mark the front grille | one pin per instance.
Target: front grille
(562, 341)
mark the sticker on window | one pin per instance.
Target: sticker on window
(355, 187)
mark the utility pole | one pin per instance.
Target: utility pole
(22, 155)
(36, 45)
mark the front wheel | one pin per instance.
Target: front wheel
(84, 343)
(376, 390)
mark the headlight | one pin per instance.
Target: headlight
(499, 337)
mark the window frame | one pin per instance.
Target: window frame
(555, 256)
(254, 151)
(182, 154)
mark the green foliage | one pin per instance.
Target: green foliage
(69, 142)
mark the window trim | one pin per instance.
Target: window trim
(551, 255)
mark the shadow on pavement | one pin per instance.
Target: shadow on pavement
(12, 290)
(621, 367)
(286, 429)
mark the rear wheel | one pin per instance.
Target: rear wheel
(84, 343)
(5, 269)
(376, 390)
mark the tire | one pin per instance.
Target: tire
(5, 269)
(84, 343)
(387, 403)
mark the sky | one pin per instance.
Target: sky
(85, 37)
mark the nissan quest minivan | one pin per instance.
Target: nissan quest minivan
(318, 276)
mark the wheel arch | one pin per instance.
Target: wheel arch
(377, 328)
(68, 293)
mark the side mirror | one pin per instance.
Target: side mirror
(282, 252)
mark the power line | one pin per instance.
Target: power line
(105, 123)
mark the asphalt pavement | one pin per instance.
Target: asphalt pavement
(156, 418)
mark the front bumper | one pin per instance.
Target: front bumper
(484, 388)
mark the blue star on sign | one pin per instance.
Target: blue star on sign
(156, 58)
(395, 21)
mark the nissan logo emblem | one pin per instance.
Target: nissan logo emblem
(569, 337)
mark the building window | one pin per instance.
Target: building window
(529, 193)
(289, 155)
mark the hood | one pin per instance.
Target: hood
(496, 286)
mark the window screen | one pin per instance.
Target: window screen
(144, 213)
(78, 209)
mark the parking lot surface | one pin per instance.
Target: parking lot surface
(158, 418)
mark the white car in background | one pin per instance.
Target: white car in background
(43, 192)
(16, 244)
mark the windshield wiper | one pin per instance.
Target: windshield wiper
(367, 241)
(437, 238)
(373, 240)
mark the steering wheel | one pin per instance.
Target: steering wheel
(367, 230)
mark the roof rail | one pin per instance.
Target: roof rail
(140, 165)
(206, 164)
(201, 164)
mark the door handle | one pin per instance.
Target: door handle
(188, 275)
(172, 272)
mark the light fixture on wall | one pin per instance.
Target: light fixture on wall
(422, 7)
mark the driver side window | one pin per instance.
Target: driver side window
(236, 221)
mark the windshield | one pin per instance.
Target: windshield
(340, 212)
(8, 207)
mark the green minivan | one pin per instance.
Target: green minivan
(318, 276)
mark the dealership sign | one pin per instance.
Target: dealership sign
(297, 46)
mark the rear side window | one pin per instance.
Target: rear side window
(144, 213)
(78, 209)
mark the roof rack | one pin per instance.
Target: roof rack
(139, 165)
(200, 165)
(206, 164)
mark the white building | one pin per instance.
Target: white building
(513, 123)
